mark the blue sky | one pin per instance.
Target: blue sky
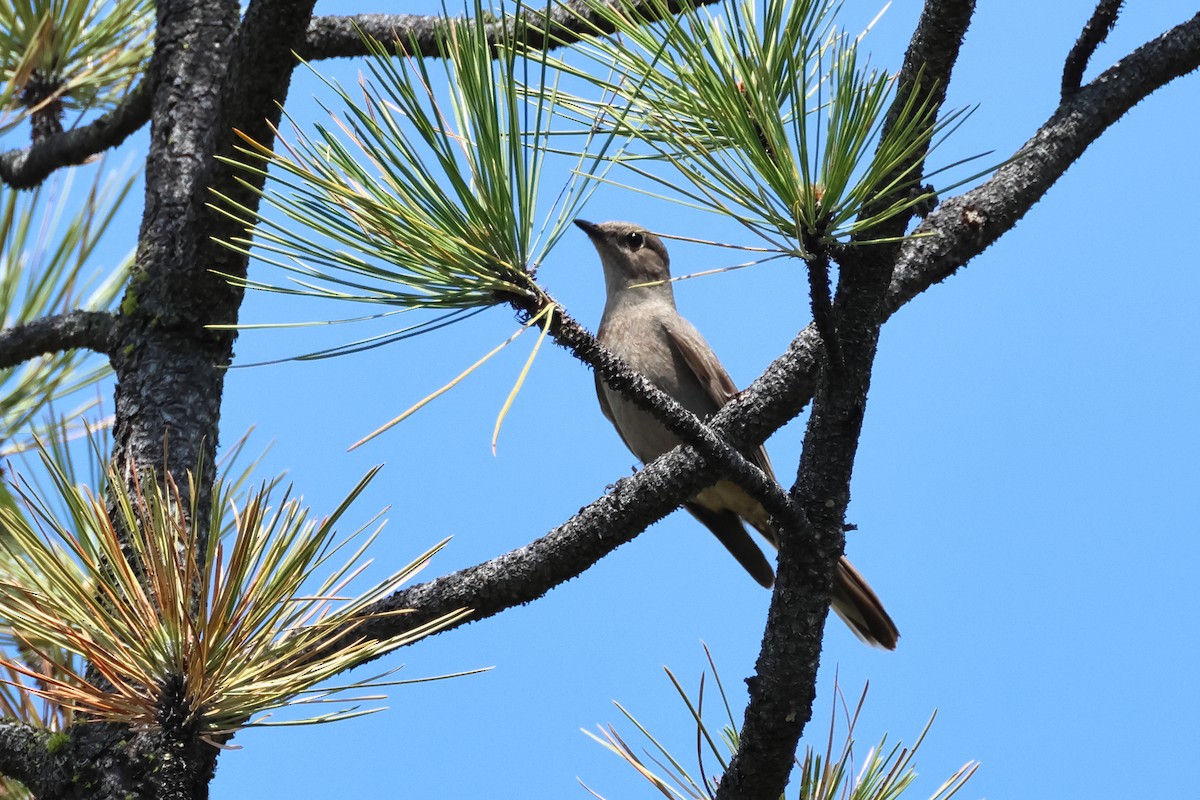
(1025, 490)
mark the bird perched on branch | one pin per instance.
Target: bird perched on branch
(642, 326)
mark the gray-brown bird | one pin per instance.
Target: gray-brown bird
(642, 326)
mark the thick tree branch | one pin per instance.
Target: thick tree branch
(964, 226)
(94, 760)
(171, 379)
(633, 503)
(628, 508)
(213, 70)
(216, 73)
(341, 37)
(93, 330)
(246, 70)
(563, 24)
(26, 168)
(784, 685)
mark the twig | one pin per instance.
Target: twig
(1104, 17)
(94, 330)
(26, 168)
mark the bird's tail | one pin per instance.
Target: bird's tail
(860, 608)
(853, 598)
(728, 528)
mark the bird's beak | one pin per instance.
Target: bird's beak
(590, 228)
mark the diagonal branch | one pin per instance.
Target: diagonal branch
(94, 330)
(26, 168)
(525, 574)
(964, 226)
(632, 504)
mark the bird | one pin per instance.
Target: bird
(642, 325)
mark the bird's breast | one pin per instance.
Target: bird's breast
(642, 342)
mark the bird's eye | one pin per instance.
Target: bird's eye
(635, 240)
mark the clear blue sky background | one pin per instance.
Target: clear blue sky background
(1025, 490)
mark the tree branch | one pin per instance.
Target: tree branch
(25, 756)
(246, 79)
(563, 24)
(94, 330)
(101, 760)
(525, 574)
(783, 688)
(342, 37)
(1101, 23)
(817, 267)
(632, 504)
(26, 168)
(215, 70)
(964, 226)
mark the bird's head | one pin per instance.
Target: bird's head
(631, 255)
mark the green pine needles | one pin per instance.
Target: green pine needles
(424, 193)
(765, 110)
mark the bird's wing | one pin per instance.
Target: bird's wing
(606, 409)
(710, 375)
(724, 524)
